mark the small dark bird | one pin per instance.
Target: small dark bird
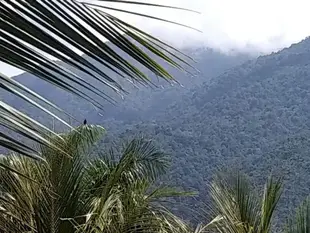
(85, 122)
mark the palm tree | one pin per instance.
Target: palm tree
(238, 208)
(71, 192)
(47, 38)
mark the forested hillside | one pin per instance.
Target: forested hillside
(255, 117)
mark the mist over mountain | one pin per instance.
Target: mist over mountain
(141, 102)
(252, 114)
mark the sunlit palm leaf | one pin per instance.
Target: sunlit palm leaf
(238, 205)
(272, 194)
(67, 194)
(57, 186)
(35, 33)
(123, 191)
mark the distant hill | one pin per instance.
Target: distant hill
(183, 120)
(255, 116)
(139, 103)
(252, 114)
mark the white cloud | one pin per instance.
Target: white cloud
(247, 25)
(263, 25)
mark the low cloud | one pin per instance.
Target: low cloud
(246, 25)
(255, 26)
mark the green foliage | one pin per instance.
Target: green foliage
(33, 34)
(301, 222)
(70, 192)
(117, 191)
(238, 205)
(254, 117)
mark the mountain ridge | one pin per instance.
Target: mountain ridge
(145, 99)
(254, 116)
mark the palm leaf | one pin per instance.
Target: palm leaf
(45, 193)
(272, 194)
(36, 33)
(236, 206)
(124, 199)
(234, 201)
(301, 221)
(79, 194)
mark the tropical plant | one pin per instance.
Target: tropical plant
(71, 192)
(47, 38)
(238, 208)
(301, 222)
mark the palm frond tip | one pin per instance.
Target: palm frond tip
(33, 34)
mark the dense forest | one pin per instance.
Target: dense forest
(254, 117)
(251, 114)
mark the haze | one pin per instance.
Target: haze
(240, 25)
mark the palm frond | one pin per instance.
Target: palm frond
(138, 160)
(45, 192)
(212, 225)
(300, 223)
(239, 207)
(70, 194)
(33, 34)
(234, 201)
(124, 199)
(272, 194)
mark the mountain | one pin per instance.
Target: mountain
(240, 112)
(138, 104)
(254, 117)
(250, 114)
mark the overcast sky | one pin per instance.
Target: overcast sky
(246, 25)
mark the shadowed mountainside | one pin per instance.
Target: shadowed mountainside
(255, 117)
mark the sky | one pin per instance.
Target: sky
(243, 25)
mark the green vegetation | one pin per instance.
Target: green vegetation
(117, 191)
(70, 192)
(254, 116)
(47, 38)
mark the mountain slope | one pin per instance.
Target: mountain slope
(255, 117)
(138, 104)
